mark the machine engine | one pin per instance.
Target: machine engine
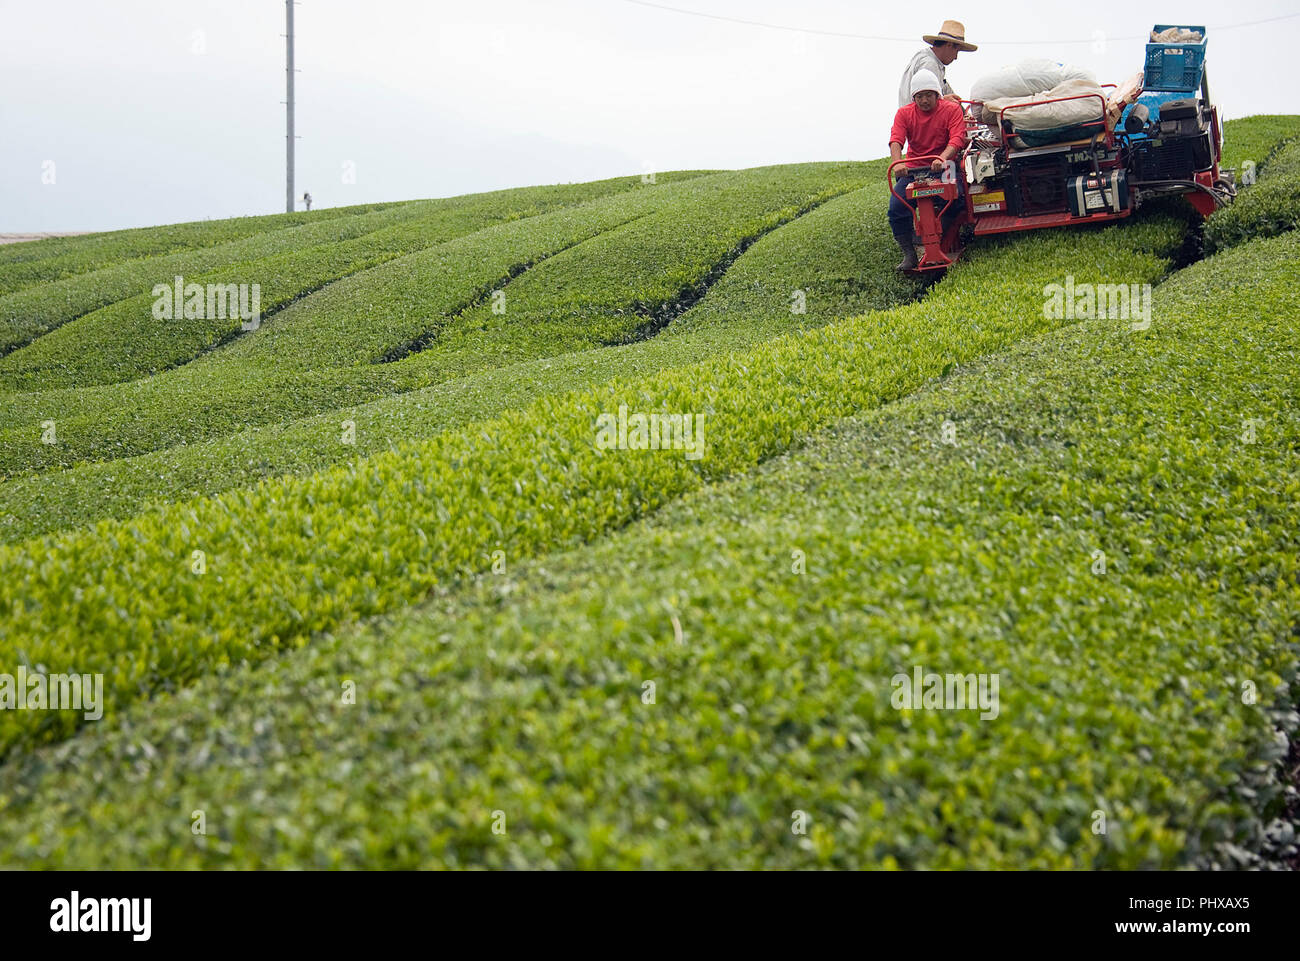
(1174, 147)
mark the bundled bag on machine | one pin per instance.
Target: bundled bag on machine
(1045, 123)
(1026, 78)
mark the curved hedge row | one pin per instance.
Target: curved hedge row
(124, 341)
(300, 555)
(28, 314)
(837, 256)
(1256, 138)
(53, 258)
(283, 369)
(1269, 207)
(662, 246)
(525, 692)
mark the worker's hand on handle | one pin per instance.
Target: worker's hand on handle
(953, 97)
(937, 165)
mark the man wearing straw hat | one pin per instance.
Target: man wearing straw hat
(943, 50)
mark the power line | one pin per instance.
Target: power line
(864, 36)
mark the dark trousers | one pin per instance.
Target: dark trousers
(900, 211)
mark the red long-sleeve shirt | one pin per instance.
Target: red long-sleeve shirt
(929, 133)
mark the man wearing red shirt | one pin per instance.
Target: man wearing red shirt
(927, 125)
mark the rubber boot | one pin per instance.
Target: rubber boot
(909, 253)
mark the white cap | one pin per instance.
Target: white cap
(924, 80)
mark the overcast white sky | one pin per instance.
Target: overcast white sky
(157, 111)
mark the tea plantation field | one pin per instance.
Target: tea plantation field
(367, 583)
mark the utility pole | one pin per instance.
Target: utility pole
(288, 141)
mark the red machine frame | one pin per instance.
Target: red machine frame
(942, 247)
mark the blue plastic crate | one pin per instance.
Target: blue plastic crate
(1175, 66)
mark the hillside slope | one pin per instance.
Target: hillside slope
(395, 483)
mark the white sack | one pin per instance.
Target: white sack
(1049, 115)
(1026, 78)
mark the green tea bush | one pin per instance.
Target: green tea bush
(125, 341)
(27, 314)
(837, 256)
(299, 555)
(1256, 138)
(44, 261)
(284, 369)
(1269, 207)
(524, 691)
(625, 285)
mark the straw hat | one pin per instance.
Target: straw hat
(951, 32)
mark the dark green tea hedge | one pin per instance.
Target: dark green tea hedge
(369, 651)
(836, 257)
(1269, 207)
(300, 555)
(1142, 702)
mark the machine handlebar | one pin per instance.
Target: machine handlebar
(889, 176)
